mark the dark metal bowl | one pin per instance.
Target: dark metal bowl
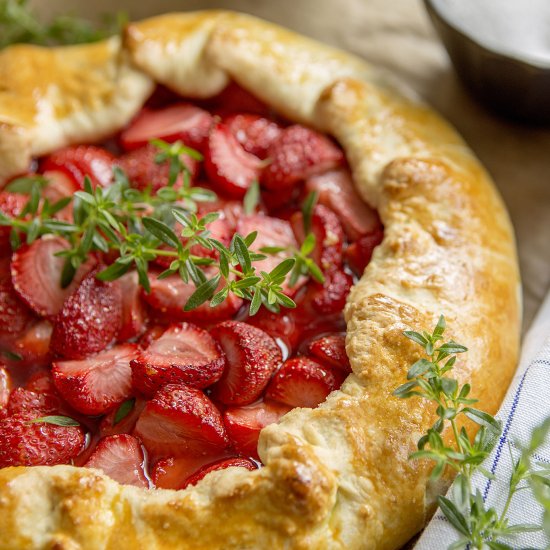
(509, 85)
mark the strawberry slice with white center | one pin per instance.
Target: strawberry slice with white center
(252, 356)
(182, 121)
(337, 191)
(172, 473)
(15, 316)
(78, 161)
(297, 154)
(99, 383)
(134, 313)
(359, 253)
(169, 296)
(24, 443)
(23, 401)
(36, 274)
(302, 382)
(236, 462)
(253, 132)
(331, 351)
(121, 458)
(181, 421)
(329, 236)
(89, 319)
(184, 354)
(143, 171)
(229, 167)
(244, 424)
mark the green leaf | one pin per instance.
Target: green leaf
(26, 184)
(203, 293)
(419, 368)
(56, 420)
(308, 245)
(251, 198)
(483, 419)
(255, 303)
(307, 210)
(461, 492)
(124, 410)
(454, 515)
(282, 269)
(67, 273)
(404, 391)
(219, 297)
(285, 300)
(452, 347)
(440, 327)
(415, 337)
(161, 231)
(243, 256)
(114, 271)
(272, 249)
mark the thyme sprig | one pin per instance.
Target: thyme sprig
(479, 526)
(141, 226)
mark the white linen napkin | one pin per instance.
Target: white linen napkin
(527, 405)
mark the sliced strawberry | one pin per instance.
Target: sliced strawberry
(172, 473)
(11, 204)
(15, 316)
(359, 253)
(89, 319)
(238, 462)
(121, 458)
(184, 354)
(23, 443)
(41, 382)
(253, 132)
(336, 190)
(169, 296)
(143, 172)
(329, 297)
(281, 325)
(33, 345)
(252, 356)
(181, 121)
(234, 99)
(150, 335)
(110, 426)
(24, 401)
(229, 167)
(302, 382)
(134, 313)
(297, 154)
(60, 186)
(243, 424)
(36, 274)
(99, 383)
(179, 421)
(5, 388)
(78, 161)
(329, 236)
(331, 351)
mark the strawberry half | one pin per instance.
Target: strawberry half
(252, 356)
(11, 204)
(15, 316)
(23, 443)
(236, 462)
(36, 274)
(97, 384)
(337, 191)
(169, 296)
(180, 421)
(302, 382)
(23, 401)
(244, 424)
(109, 425)
(182, 121)
(281, 325)
(143, 172)
(359, 253)
(134, 313)
(331, 351)
(89, 319)
(234, 99)
(297, 154)
(121, 458)
(329, 297)
(184, 354)
(33, 345)
(172, 473)
(329, 236)
(78, 161)
(229, 167)
(253, 132)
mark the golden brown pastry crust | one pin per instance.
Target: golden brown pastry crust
(337, 476)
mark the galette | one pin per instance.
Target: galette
(213, 234)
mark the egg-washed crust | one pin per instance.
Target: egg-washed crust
(335, 477)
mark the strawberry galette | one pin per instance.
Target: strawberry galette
(213, 235)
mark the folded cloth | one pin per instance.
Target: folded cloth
(526, 406)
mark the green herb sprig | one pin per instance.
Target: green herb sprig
(479, 526)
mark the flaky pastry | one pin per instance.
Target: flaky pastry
(337, 476)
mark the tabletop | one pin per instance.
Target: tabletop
(398, 35)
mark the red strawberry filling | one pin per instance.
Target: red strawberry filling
(104, 373)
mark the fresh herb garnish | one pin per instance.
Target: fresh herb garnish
(478, 525)
(140, 226)
(307, 210)
(251, 198)
(124, 409)
(19, 24)
(56, 420)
